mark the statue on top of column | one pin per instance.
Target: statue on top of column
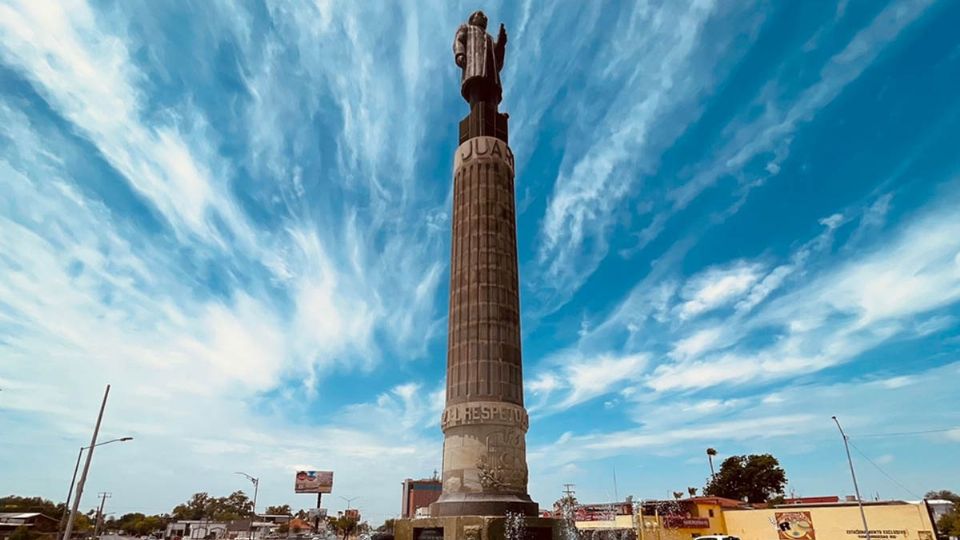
(481, 59)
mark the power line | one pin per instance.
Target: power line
(883, 472)
(903, 433)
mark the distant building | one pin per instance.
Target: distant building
(605, 521)
(35, 521)
(938, 507)
(195, 529)
(419, 494)
(812, 500)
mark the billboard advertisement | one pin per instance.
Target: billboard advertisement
(314, 482)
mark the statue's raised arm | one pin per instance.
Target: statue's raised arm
(481, 60)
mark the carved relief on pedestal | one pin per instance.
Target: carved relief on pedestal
(503, 468)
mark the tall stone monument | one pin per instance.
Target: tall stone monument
(484, 422)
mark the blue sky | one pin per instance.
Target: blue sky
(734, 221)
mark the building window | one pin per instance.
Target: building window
(710, 511)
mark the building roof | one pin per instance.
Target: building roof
(841, 503)
(19, 515)
(719, 501)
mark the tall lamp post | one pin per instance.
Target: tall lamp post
(73, 480)
(710, 453)
(256, 488)
(853, 475)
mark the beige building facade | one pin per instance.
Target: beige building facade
(892, 520)
(689, 518)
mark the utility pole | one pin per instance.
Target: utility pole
(73, 480)
(86, 468)
(104, 495)
(66, 504)
(853, 475)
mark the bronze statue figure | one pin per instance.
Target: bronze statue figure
(481, 59)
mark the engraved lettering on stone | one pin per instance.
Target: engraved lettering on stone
(486, 413)
(484, 149)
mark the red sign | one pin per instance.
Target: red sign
(352, 513)
(680, 522)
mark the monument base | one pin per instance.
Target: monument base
(474, 528)
(479, 504)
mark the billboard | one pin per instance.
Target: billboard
(352, 513)
(314, 482)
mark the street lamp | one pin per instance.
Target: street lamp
(349, 500)
(856, 489)
(73, 480)
(256, 488)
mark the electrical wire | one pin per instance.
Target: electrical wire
(883, 472)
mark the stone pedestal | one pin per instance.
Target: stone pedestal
(473, 528)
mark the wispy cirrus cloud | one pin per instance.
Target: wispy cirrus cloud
(238, 215)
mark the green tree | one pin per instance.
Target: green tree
(758, 478)
(137, 524)
(195, 508)
(283, 510)
(344, 525)
(202, 506)
(949, 523)
(23, 533)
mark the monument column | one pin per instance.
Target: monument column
(484, 422)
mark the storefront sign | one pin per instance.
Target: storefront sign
(680, 522)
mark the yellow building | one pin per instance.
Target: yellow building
(683, 519)
(891, 520)
(653, 520)
(686, 519)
